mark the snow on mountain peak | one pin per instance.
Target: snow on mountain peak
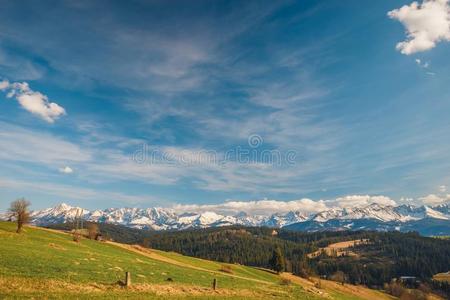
(157, 218)
(62, 207)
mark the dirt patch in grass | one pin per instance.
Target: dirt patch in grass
(308, 285)
(359, 291)
(58, 247)
(327, 287)
(226, 268)
(174, 289)
(26, 285)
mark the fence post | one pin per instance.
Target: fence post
(127, 279)
(214, 284)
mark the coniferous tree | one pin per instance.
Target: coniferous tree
(277, 262)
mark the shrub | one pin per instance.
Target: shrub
(226, 269)
(318, 284)
(395, 289)
(92, 231)
(339, 276)
(413, 295)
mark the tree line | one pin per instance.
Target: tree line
(388, 255)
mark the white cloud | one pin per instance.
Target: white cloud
(268, 207)
(4, 85)
(442, 188)
(421, 64)
(307, 206)
(66, 170)
(259, 207)
(433, 199)
(362, 200)
(33, 101)
(426, 24)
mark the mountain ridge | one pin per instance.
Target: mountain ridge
(156, 218)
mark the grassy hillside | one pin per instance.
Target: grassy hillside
(442, 277)
(47, 264)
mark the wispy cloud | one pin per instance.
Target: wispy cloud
(17, 66)
(169, 75)
(205, 80)
(20, 144)
(110, 159)
(63, 191)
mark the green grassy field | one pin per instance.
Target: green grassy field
(214, 266)
(45, 264)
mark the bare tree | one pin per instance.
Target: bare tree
(78, 226)
(19, 211)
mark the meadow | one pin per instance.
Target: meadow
(44, 263)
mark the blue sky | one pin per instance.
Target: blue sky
(320, 79)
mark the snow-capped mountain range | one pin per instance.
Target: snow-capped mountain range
(159, 218)
(166, 219)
